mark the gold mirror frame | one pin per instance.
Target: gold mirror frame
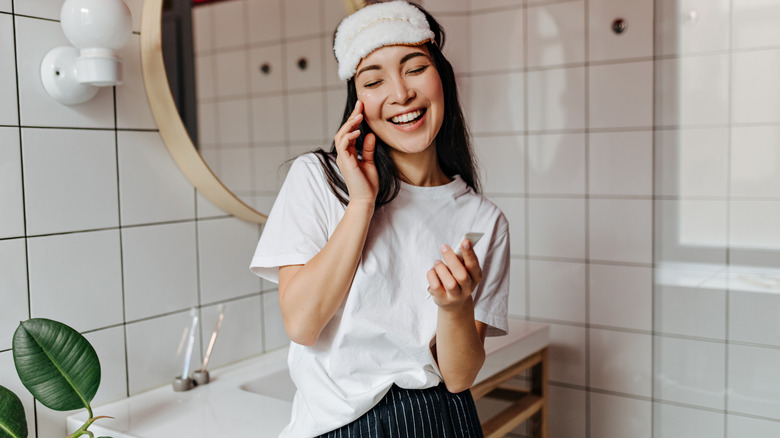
(170, 125)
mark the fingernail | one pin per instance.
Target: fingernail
(467, 244)
(437, 262)
(444, 248)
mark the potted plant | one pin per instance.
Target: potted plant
(58, 366)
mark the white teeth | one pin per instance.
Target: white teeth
(408, 117)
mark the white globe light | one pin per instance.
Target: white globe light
(96, 24)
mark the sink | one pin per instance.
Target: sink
(277, 385)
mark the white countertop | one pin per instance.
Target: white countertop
(232, 406)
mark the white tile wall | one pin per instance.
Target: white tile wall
(296, 24)
(496, 103)
(556, 164)
(635, 42)
(487, 29)
(132, 106)
(514, 210)
(517, 288)
(159, 260)
(556, 228)
(619, 417)
(266, 19)
(742, 426)
(692, 91)
(753, 23)
(621, 296)
(231, 73)
(265, 82)
(41, 8)
(685, 306)
(225, 247)
(85, 195)
(557, 290)
(268, 119)
(555, 34)
(229, 24)
(9, 110)
(13, 283)
(5, 5)
(305, 119)
(691, 231)
(753, 315)
(692, 162)
(501, 163)
(754, 385)
(241, 332)
(691, 26)
(557, 97)
(568, 415)
(309, 54)
(233, 121)
(754, 88)
(621, 95)
(620, 230)
(567, 354)
(690, 372)
(11, 198)
(681, 422)
(753, 234)
(620, 163)
(755, 166)
(621, 362)
(76, 278)
(273, 326)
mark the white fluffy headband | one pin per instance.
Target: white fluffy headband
(375, 26)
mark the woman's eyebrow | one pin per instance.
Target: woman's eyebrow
(366, 68)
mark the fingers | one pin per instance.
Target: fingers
(470, 261)
(350, 130)
(369, 146)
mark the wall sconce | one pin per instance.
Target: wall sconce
(72, 75)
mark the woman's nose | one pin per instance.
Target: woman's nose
(402, 93)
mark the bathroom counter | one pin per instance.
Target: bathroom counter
(254, 397)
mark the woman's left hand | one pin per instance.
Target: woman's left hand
(451, 282)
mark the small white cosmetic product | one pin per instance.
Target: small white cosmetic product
(471, 236)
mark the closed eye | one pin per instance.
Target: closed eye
(418, 69)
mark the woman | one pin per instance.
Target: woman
(387, 333)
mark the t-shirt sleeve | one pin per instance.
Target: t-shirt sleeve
(492, 294)
(297, 227)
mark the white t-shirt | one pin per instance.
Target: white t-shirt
(383, 331)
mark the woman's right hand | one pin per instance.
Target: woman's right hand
(360, 175)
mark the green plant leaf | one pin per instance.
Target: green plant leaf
(56, 364)
(13, 423)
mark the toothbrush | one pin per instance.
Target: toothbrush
(213, 340)
(190, 343)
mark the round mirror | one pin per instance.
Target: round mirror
(231, 143)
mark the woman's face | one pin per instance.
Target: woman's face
(402, 96)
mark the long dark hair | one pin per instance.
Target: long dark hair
(453, 142)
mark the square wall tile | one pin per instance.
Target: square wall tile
(266, 19)
(457, 45)
(207, 125)
(268, 79)
(636, 41)
(34, 38)
(621, 95)
(240, 335)
(159, 261)
(755, 92)
(496, 103)
(557, 290)
(690, 372)
(621, 230)
(619, 417)
(136, 9)
(754, 233)
(621, 296)
(620, 163)
(567, 411)
(331, 67)
(691, 231)
(269, 167)
(692, 26)
(686, 305)
(9, 110)
(10, 380)
(298, 23)
(753, 315)
(754, 385)
(304, 64)
(682, 422)
(692, 162)
(692, 91)
(235, 168)
(753, 23)
(13, 283)
(225, 249)
(514, 210)
(556, 228)
(73, 275)
(556, 34)
(501, 161)
(621, 362)
(11, 199)
(231, 73)
(268, 122)
(335, 101)
(73, 173)
(438, 6)
(306, 121)
(752, 427)
(567, 357)
(557, 97)
(275, 335)
(755, 162)
(152, 188)
(206, 209)
(206, 78)
(233, 121)
(40, 8)
(478, 5)
(230, 25)
(517, 290)
(486, 30)
(5, 5)
(333, 12)
(155, 352)
(203, 28)
(556, 164)
(132, 105)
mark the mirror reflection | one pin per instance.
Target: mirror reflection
(255, 83)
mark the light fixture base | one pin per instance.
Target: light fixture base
(60, 78)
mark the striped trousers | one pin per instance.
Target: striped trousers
(416, 413)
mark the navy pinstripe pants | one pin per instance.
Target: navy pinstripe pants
(417, 413)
